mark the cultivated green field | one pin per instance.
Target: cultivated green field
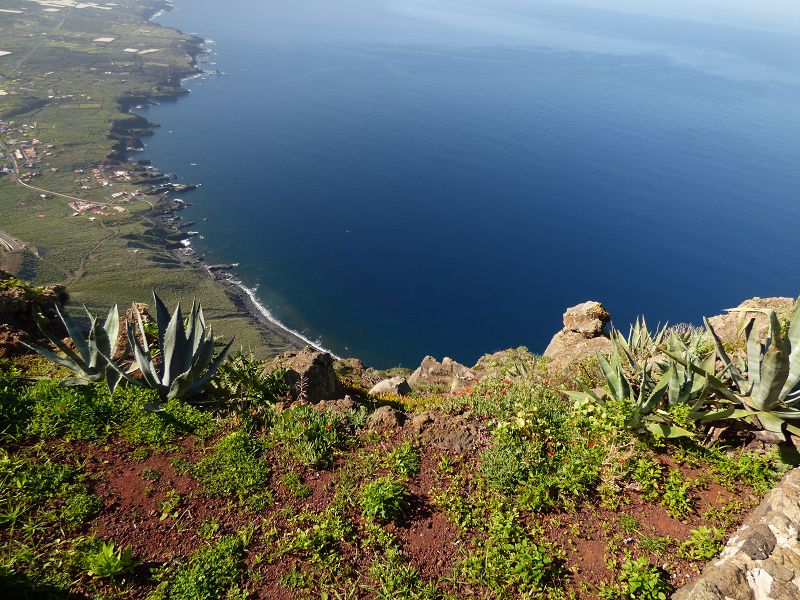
(60, 85)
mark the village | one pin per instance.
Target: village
(22, 152)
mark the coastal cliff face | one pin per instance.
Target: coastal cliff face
(19, 302)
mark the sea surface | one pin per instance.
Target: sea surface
(399, 178)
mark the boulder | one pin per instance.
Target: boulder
(582, 336)
(589, 319)
(395, 385)
(310, 374)
(458, 433)
(344, 405)
(435, 373)
(386, 418)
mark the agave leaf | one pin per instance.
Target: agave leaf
(48, 354)
(203, 357)
(770, 422)
(76, 334)
(179, 386)
(198, 385)
(794, 357)
(144, 360)
(674, 389)
(113, 378)
(667, 430)
(174, 350)
(714, 415)
(755, 354)
(132, 339)
(616, 380)
(774, 369)
(575, 396)
(162, 318)
(736, 375)
(111, 327)
(654, 397)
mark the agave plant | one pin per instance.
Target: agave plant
(644, 393)
(91, 359)
(686, 386)
(766, 383)
(187, 360)
(641, 343)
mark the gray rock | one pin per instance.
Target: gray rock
(759, 544)
(701, 591)
(310, 374)
(589, 319)
(433, 372)
(396, 385)
(386, 418)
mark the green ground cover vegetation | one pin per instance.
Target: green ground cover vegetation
(566, 494)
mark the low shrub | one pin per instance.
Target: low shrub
(211, 573)
(235, 467)
(385, 499)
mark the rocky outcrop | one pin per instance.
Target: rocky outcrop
(583, 335)
(589, 319)
(727, 326)
(19, 302)
(344, 405)
(761, 561)
(446, 374)
(395, 385)
(386, 418)
(309, 374)
(457, 433)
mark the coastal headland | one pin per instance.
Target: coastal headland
(75, 203)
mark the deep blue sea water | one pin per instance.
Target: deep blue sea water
(410, 177)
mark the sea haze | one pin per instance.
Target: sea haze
(409, 177)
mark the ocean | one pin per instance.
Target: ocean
(407, 177)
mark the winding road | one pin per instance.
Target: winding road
(16, 178)
(10, 243)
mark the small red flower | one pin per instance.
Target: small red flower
(549, 453)
(507, 382)
(591, 444)
(328, 427)
(546, 381)
(503, 392)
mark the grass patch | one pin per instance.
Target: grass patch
(236, 468)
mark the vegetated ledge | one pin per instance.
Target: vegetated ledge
(308, 475)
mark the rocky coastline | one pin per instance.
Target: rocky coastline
(164, 218)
